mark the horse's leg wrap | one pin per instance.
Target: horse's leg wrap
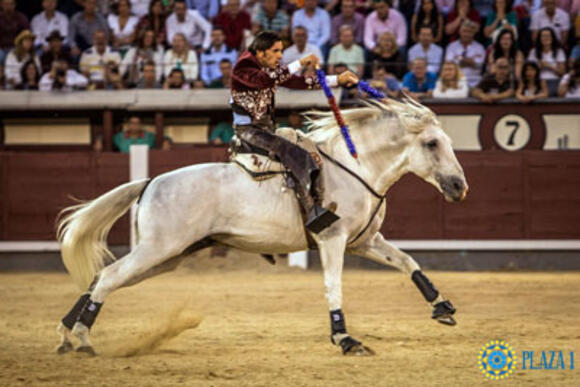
(89, 313)
(424, 285)
(337, 323)
(73, 315)
(337, 327)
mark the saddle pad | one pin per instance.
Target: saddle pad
(258, 166)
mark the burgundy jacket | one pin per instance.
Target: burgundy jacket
(253, 86)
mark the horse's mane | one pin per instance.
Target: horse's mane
(412, 115)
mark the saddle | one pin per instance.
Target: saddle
(259, 165)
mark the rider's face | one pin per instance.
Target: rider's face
(271, 57)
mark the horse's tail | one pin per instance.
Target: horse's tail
(82, 232)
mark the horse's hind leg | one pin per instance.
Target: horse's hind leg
(130, 269)
(379, 250)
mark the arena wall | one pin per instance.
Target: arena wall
(521, 195)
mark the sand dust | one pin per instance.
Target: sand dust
(156, 333)
(269, 326)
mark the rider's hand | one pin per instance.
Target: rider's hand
(347, 78)
(309, 60)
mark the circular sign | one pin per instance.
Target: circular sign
(512, 132)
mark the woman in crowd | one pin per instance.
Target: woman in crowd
(147, 49)
(550, 58)
(531, 87)
(30, 76)
(154, 20)
(451, 82)
(502, 17)
(428, 16)
(387, 54)
(505, 47)
(23, 52)
(123, 25)
(570, 83)
(463, 11)
(181, 57)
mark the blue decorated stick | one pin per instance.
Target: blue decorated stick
(370, 90)
(334, 107)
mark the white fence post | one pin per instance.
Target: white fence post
(138, 169)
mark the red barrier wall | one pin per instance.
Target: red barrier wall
(523, 195)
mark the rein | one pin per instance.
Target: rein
(365, 184)
(374, 93)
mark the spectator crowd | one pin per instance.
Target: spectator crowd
(487, 49)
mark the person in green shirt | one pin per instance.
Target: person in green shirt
(134, 134)
(501, 17)
(222, 133)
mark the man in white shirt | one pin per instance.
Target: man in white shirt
(428, 50)
(347, 52)
(191, 24)
(47, 21)
(301, 47)
(212, 57)
(60, 77)
(94, 59)
(316, 20)
(467, 53)
(550, 16)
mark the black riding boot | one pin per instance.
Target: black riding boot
(303, 169)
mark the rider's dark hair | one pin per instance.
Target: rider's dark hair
(264, 41)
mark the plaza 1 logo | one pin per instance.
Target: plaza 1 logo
(497, 360)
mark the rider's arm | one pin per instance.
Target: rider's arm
(305, 82)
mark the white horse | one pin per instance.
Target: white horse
(217, 203)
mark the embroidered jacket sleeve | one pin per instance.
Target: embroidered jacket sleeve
(286, 76)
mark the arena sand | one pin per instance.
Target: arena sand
(216, 323)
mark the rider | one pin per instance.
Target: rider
(255, 77)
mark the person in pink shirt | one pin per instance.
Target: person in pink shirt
(385, 18)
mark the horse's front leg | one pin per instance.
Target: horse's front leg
(332, 259)
(379, 250)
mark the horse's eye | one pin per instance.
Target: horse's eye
(431, 145)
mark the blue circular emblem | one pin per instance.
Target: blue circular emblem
(497, 360)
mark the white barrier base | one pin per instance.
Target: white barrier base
(297, 259)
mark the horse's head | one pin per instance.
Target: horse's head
(431, 157)
(428, 148)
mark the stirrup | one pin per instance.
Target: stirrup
(320, 218)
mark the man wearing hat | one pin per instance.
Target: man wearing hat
(12, 23)
(48, 21)
(55, 50)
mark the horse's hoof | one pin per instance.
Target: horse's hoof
(446, 320)
(64, 348)
(352, 347)
(443, 312)
(87, 349)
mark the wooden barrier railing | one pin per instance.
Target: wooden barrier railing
(523, 195)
